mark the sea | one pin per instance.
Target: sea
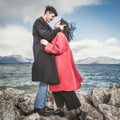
(94, 76)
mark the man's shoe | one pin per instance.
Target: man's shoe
(42, 112)
(59, 113)
(81, 115)
(48, 109)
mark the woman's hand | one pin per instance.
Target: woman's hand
(43, 41)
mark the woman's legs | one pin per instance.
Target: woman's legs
(58, 99)
(68, 97)
(60, 103)
(71, 100)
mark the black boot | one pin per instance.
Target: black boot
(81, 115)
(44, 111)
(59, 112)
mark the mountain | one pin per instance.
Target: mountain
(90, 60)
(98, 60)
(13, 59)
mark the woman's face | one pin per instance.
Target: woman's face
(57, 24)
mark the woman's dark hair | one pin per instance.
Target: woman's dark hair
(68, 29)
(51, 9)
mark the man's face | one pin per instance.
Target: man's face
(50, 16)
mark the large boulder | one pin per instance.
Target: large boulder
(8, 110)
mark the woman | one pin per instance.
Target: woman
(70, 79)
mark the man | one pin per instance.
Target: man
(42, 69)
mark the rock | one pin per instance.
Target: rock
(8, 111)
(102, 104)
(110, 112)
(10, 93)
(113, 86)
(115, 98)
(84, 97)
(100, 96)
(86, 105)
(0, 92)
(26, 103)
(34, 116)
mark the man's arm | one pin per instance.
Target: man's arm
(46, 32)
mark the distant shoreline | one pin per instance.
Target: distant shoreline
(75, 63)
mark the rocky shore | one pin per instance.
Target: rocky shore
(102, 104)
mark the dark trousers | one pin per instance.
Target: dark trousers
(69, 98)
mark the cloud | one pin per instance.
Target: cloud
(15, 40)
(17, 11)
(112, 41)
(94, 48)
(16, 16)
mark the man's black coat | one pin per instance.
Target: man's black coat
(44, 66)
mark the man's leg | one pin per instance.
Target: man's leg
(40, 101)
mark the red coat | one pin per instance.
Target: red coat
(69, 77)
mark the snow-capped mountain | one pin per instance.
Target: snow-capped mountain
(89, 60)
(99, 60)
(13, 59)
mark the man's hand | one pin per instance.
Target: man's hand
(43, 41)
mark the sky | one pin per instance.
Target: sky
(97, 23)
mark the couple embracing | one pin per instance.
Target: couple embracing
(54, 66)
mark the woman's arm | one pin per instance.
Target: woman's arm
(58, 46)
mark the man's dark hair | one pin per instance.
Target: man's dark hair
(51, 9)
